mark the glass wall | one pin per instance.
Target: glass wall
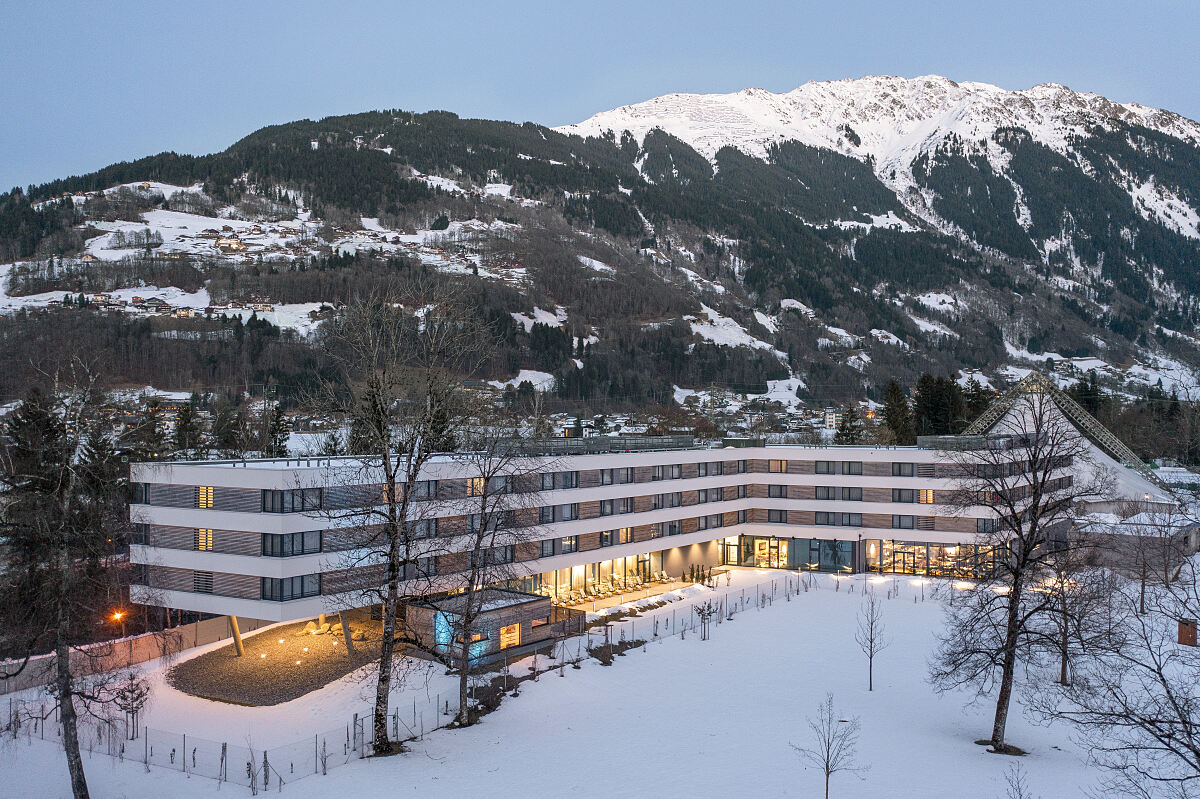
(812, 554)
(934, 560)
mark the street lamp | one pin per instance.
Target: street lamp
(119, 616)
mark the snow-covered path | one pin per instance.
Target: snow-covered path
(684, 718)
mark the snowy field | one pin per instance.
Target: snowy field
(681, 718)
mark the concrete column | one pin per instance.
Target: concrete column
(237, 636)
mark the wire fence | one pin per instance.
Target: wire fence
(271, 768)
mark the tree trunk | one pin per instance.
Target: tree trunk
(387, 647)
(464, 678)
(66, 702)
(870, 673)
(346, 633)
(1011, 634)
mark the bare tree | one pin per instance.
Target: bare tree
(834, 742)
(1017, 783)
(871, 634)
(500, 515)
(1135, 705)
(63, 510)
(1028, 474)
(400, 357)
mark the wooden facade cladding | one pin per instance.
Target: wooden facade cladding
(169, 578)
(801, 467)
(589, 510)
(690, 497)
(690, 470)
(589, 478)
(757, 466)
(643, 532)
(588, 541)
(642, 474)
(954, 524)
(877, 469)
(688, 525)
(452, 489)
(877, 495)
(756, 491)
(643, 504)
(801, 492)
(802, 517)
(877, 520)
(527, 550)
(757, 515)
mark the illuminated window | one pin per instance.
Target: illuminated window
(204, 540)
(926, 496)
(475, 486)
(541, 622)
(625, 535)
(204, 496)
(777, 466)
(510, 636)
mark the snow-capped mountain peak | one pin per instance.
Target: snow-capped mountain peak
(893, 118)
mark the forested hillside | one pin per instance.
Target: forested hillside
(619, 267)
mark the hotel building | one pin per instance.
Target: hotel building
(261, 538)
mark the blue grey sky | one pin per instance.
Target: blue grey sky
(89, 83)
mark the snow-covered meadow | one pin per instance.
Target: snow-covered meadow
(679, 718)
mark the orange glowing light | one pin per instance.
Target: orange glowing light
(117, 615)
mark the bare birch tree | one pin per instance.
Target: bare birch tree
(833, 744)
(871, 634)
(1028, 474)
(400, 357)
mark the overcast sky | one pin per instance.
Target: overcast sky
(89, 83)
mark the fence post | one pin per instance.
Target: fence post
(316, 755)
(146, 746)
(184, 753)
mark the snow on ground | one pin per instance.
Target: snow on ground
(769, 322)
(498, 189)
(796, 305)
(1156, 203)
(554, 318)
(888, 220)
(679, 718)
(927, 326)
(784, 391)
(722, 330)
(939, 301)
(597, 266)
(965, 375)
(701, 283)
(542, 381)
(887, 337)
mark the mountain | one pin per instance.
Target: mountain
(806, 245)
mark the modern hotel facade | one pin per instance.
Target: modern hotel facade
(261, 538)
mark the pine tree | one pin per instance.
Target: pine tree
(976, 397)
(189, 438)
(279, 427)
(850, 429)
(227, 431)
(897, 414)
(145, 440)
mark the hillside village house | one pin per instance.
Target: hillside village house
(261, 538)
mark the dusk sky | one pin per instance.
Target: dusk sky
(90, 83)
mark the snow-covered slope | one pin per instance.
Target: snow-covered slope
(895, 119)
(889, 120)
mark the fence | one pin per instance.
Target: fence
(129, 651)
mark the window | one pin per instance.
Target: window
(424, 489)
(709, 522)
(510, 635)
(548, 481)
(987, 525)
(742, 467)
(566, 513)
(606, 477)
(296, 500)
(475, 486)
(426, 567)
(568, 479)
(702, 496)
(625, 535)
(478, 559)
(777, 467)
(624, 475)
(606, 507)
(826, 467)
(903, 469)
(569, 544)
(139, 493)
(624, 505)
(660, 529)
(711, 469)
(204, 496)
(425, 528)
(282, 546)
(673, 500)
(777, 492)
(852, 493)
(825, 492)
(657, 472)
(474, 520)
(902, 522)
(283, 589)
(926, 497)
(904, 495)
(851, 467)
(475, 638)
(742, 492)
(541, 621)
(545, 514)
(545, 548)
(676, 471)
(202, 582)
(204, 540)
(777, 516)
(608, 538)
(839, 519)
(743, 516)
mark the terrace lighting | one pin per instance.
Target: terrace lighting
(263, 655)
